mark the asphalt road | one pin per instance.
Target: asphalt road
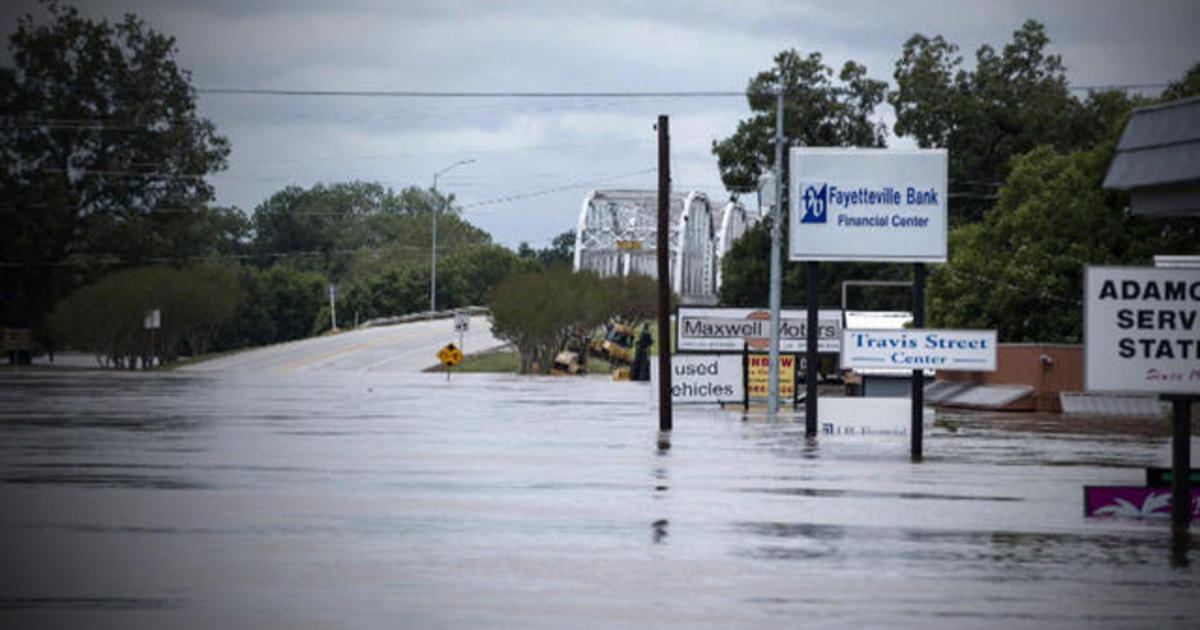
(410, 347)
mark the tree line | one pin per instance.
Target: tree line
(1026, 160)
(106, 214)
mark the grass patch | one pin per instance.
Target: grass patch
(508, 361)
(498, 361)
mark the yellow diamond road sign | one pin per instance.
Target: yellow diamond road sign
(450, 356)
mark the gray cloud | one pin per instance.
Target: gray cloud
(524, 145)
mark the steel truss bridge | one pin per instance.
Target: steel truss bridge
(617, 236)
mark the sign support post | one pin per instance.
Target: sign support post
(871, 205)
(1139, 337)
(745, 377)
(1181, 447)
(333, 307)
(776, 279)
(918, 376)
(812, 290)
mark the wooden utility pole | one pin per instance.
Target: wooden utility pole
(664, 275)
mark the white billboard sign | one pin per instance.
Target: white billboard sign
(920, 349)
(727, 329)
(880, 205)
(1142, 329)
(702, 378)
(152, 319)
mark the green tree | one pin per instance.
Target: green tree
(397, 290)
(1188, 85)
(108, 317)
(1020, 270)
(294, 299)
(629, 299)
(746, 267)
(352, 230)
(103, 156)
(817, 112)
(1008, 104)
(540, 311)
(471, 274)
(560, 252)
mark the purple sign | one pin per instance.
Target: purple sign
(1132, 501)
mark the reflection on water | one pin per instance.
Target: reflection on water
(349, 500)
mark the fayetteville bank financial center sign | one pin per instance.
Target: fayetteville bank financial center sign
(881, 205)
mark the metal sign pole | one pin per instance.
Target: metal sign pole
(812, 296)
(1181, 455)
(776, 273)
(333, 307)
(918, 376)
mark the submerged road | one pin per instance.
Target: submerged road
(410, 347)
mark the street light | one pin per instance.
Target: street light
(433, 248)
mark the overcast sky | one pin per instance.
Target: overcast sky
(525, 148)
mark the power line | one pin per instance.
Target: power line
(1118, 87)
(469, 95)
(554, 94)
(547, 191)
(204, 257)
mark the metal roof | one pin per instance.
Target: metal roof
(1159, 147)
(974, 395)
(1113, 404)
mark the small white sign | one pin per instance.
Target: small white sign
(881, 205)
(702, 378)
(1142, 329)
(152, 320)
(920, 349)
(727, 329)
(462, 322)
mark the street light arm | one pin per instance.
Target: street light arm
(443, 171)
(433, 244)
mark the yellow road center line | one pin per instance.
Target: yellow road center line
(303, 363)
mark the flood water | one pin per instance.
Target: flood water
(392, 500)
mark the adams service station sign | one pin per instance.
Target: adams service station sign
(868, 205)
(1142, 329)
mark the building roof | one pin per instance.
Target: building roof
(1158, 158)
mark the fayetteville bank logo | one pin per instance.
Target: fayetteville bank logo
(816, 202)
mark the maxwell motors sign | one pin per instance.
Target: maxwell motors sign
(868, 205)
(730, 329)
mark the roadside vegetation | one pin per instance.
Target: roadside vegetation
(542, 312)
